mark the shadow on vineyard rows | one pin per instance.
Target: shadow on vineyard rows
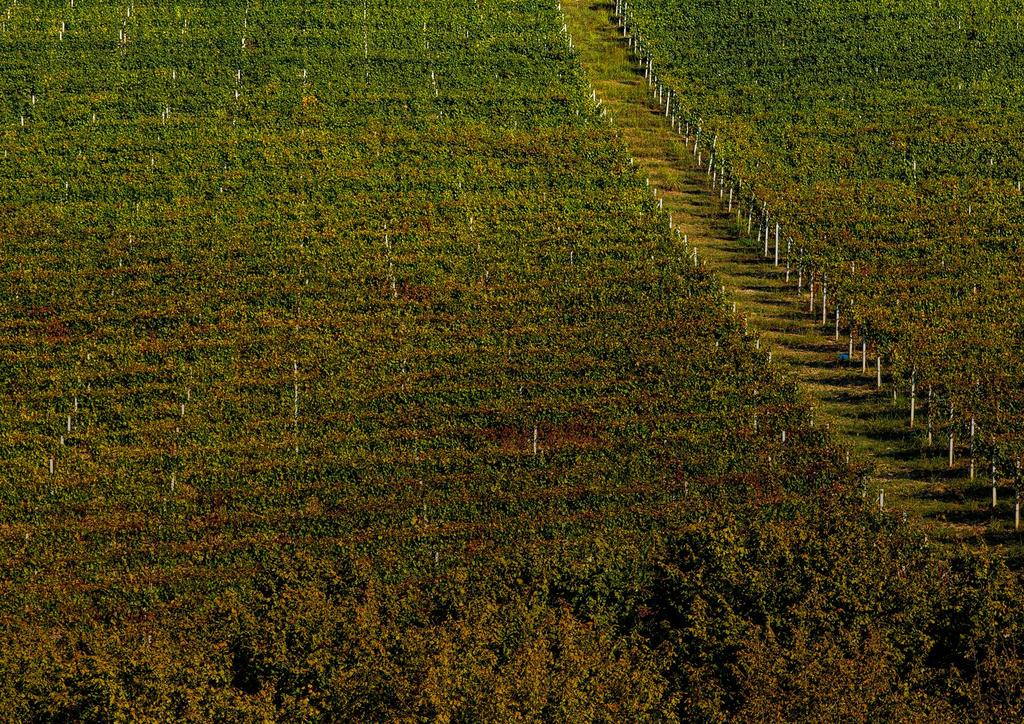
(914, 476)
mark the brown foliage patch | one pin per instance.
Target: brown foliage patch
(53, 327)
(572, 436)
(414, 292)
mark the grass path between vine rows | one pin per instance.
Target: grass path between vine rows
(915, 479)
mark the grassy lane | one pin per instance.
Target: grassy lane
(871, 423)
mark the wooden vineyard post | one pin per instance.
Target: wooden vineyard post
(824, 299)
(994, 479)
(878, 369)
(973, 430)
(776, 244)
(951, 434)
(930, 439)
(913, 398)
(295, 403)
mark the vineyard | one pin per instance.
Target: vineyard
(875, 153)
(351, 370)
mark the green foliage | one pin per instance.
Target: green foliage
(376, 387)
(885, 139)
